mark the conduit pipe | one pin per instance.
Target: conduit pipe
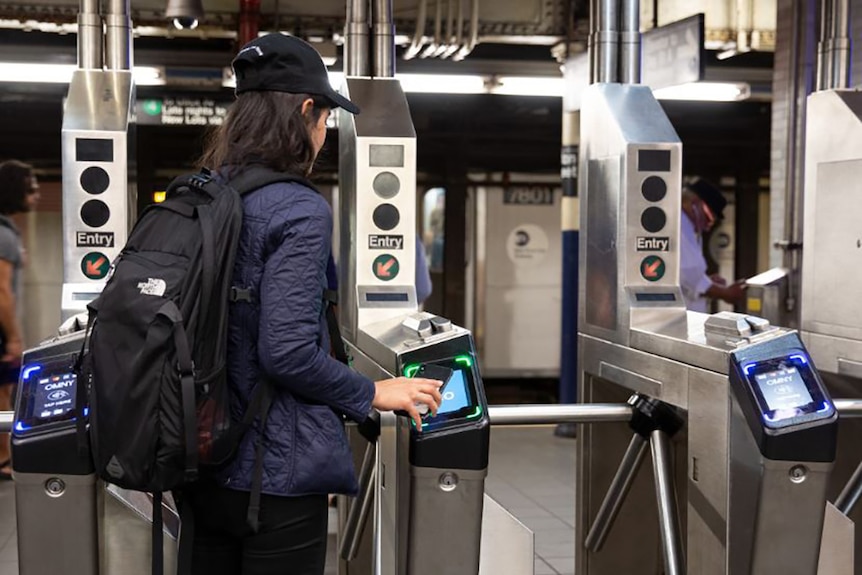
(438, 32)
(418, 37)
(840, 44)
(608, 41)
(824, 47)
(630, 42)
(89, 35)
(465, 50)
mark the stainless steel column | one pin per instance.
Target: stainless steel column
(89, 35)
(607, 41)
(356, 56)
(383, 40)
(118, 36)
(841, 44)
(630, 43)
(824, 46)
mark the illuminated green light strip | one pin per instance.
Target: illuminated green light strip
(476, 413)
(411, 369)
(464, 359)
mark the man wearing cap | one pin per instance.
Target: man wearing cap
(702, 205)
(265, 513)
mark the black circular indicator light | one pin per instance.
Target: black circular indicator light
(654, 188)
(653, 219)
(386, 185)
(386, 216)
(95, 180)
(95, 213)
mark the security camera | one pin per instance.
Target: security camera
(185, 14)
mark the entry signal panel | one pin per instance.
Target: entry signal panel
(96, 191)
(653, 200)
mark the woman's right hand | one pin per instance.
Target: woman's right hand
(403, 393)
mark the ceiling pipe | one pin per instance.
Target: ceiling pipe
(249, 21)
(456, 42)
(118, 35)
(419, 35)
(383, 43)
(445, 46)
(356, 50)
(465, 50)
(89, 35)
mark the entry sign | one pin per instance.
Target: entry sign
(95, 265)
(385, 267)
(652, 268)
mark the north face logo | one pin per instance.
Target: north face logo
(153, 286)
(114, 468)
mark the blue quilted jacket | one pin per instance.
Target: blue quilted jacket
(282, 258)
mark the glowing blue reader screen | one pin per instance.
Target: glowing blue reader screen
(783, 388)
(455, 395)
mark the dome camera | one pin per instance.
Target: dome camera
(185, 14)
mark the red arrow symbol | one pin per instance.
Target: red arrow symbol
(93, 267)
(383, 268)
(651, 270)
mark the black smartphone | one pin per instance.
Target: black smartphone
(430, 371)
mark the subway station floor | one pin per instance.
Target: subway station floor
(531, 474)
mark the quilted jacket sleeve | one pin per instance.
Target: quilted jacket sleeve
(291, 294)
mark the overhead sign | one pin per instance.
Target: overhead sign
(181, 112)
(385, 267)
(673, 54)
(95, 265)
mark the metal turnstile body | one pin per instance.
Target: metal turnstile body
(635, 335)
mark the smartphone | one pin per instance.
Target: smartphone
(430, 371)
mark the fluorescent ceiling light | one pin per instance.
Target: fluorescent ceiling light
(705, 91)
(528, 86)
(442, 83)
(62, 73)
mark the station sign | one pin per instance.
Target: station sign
(181, 112)
(529, 196)
(673, 54)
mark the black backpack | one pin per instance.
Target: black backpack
(159, 404)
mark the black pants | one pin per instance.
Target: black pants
(291, 539)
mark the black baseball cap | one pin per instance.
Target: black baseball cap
(710, 194)
(280, 63)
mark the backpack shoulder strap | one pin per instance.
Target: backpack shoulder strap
(257, 176)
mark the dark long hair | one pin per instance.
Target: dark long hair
(265, 128)
(16, 181)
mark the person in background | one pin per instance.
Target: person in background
(19, 193)
(279, 121)
(702, 206)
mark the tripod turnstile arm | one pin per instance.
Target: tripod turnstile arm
(6, 420)
(674, 560)
(552, 414)
(358, 516)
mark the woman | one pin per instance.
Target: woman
(19, 192)
(279, 120)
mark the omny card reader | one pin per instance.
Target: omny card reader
(448, 464)
(55, 484)
(793, 425)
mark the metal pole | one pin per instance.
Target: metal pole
(118, 36)
(630, 43)
(417, 42)
(552, 414)
(358, 516)
(848, 407)
(841, 44)
(616, 494)
(674, 562)
(607, 41)
(356, 52)
(89, 35)
(383, 41)
(824, 47)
